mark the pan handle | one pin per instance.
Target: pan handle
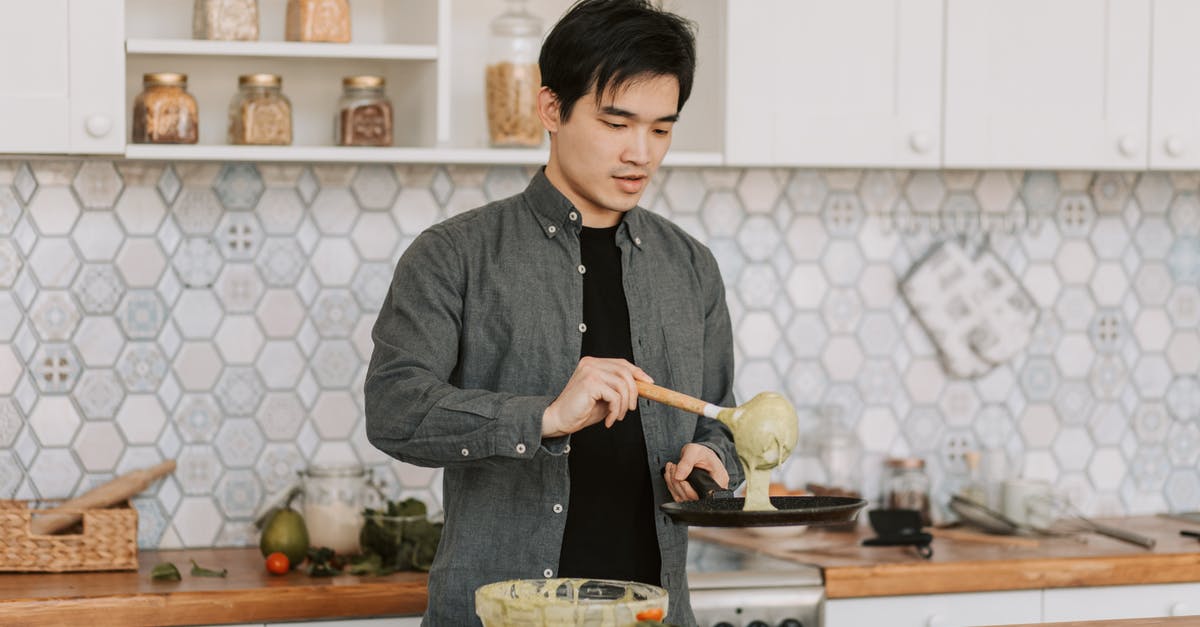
(703, 483)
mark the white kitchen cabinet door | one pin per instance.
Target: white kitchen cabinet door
(1047, 84)
(937, 610)
(1112, 602)
(35, 80)
(398, 621)
(1175, 96)
(96, 119)
(834, 83)
(63, 76)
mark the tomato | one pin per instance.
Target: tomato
(652, 614)
(277, 564)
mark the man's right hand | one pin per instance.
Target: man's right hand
(599, 389)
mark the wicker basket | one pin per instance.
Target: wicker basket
(108, 541)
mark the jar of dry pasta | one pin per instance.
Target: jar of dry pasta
(165, 113)
(364, 113)
(513, 79)
(260, 114)
(225, 19)
(318, 20)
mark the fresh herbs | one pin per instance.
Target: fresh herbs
(165, 571)
(323, 562)
(200, 571)
(400, 535)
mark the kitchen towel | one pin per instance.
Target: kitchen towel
(977, 314)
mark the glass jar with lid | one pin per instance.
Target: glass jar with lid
(513, 79)
(165, 113)
(318, 20)
(906, 486)
(334, 498)
(260, 114)
(233, 20)
(364, 113)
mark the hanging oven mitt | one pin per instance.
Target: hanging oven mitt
(975, 311)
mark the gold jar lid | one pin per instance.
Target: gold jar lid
(373, 82)
(165, 78)
(906, 463)
(260, 80)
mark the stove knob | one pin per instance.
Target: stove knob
(757, 623)
(723, 624)
(791, 622)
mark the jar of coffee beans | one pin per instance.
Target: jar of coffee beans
(364, 113)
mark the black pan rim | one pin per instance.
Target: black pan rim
(793, 511)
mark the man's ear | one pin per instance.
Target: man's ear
(548, 109)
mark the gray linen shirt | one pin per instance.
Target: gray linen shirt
(479, 332)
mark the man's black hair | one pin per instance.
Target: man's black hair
(607, 43)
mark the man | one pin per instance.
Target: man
(505, 351)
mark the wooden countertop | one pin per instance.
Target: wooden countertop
(852, 570)
(248, 594)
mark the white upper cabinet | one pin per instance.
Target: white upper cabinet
(1175, 99)
(1048, 83)
(61, 81)
(834, 83)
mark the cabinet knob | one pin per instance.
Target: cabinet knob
(1174, 145)
(1182, 609)
(920, 142)
(1127, 145)
(98, 125)
(937, 620)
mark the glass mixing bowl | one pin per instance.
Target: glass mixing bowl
(580, 602)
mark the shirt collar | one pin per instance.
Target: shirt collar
(554, 211)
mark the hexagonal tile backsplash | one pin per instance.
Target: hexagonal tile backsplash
(220, 315)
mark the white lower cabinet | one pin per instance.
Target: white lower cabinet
(398, 621)
(1109, 602)
(937, 610)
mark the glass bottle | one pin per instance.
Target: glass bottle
(512, 79)
(260, 114)
(364, 113)
(318, 20)
(165, 113)
(906, 486)
(333, 505)
(231, 20)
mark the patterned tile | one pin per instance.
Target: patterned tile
(196, 210)
(239, 236)
(99, 394)
(239, 442)
(142, 367)
(239, 391)
(54, 315)
(281, 261)
(370, 285)
(334, 363)
(54, 367)
(197, 418)
(239, 186)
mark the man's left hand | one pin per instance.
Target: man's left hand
(693, 456)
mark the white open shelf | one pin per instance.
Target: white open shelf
(336, 154)
(282, 49)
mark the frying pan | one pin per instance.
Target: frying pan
(718, 507)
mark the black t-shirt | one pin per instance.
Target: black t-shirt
(610, 531)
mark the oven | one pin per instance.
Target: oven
(737, 588)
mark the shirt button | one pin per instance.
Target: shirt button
(574, 215)
(465, 452)
(582, 269)
(637, 240)
(567, 448)
(547, 573)
(520, 449)
(557, 508)
(552, 229)
(582, 328)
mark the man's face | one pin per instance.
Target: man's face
(603, 156)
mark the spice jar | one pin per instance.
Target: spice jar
(364, 113)
(513, 79)
(334, 497)
(225, 19)
(318, 20)
(164, 113)
(906, 486)
(260, 113)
